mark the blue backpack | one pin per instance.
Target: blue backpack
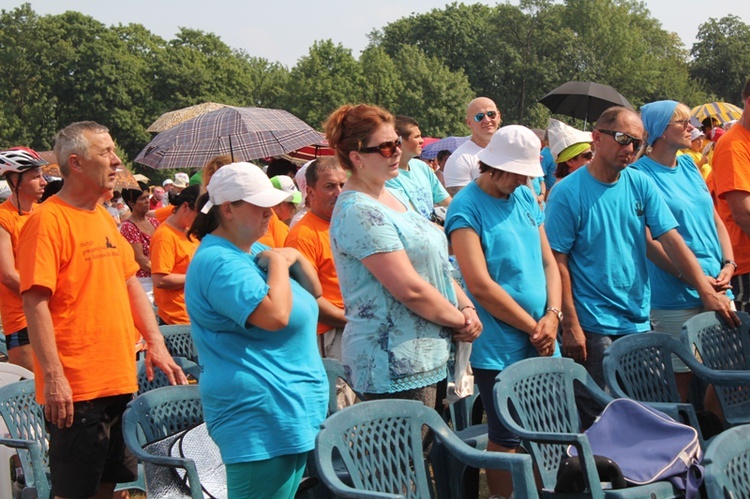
(647, 445)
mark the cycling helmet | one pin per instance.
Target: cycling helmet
(19, 160)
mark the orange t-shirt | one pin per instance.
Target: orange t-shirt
(11, 305)
(171, 252)
(80, 256)
(731, 172)
(277, 232)
(310, 237)
(163, 213)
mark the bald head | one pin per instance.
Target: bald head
(482, 131)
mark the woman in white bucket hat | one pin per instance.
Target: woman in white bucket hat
(497, 231)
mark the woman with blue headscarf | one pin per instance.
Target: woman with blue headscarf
(673, 301)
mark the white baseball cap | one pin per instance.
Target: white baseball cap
(514, 149)
(167, 182)
(286, 184)
(695, 134)
(243, 182)
(562, 136)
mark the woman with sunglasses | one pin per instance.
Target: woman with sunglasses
(673, 301)
(402, 306)
(570, 147)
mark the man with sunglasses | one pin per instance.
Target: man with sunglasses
(462, 167)
(597, 218)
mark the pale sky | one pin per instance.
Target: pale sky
(284, 30)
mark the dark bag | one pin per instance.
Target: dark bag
(570, 475)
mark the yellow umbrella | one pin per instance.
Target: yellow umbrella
(722, 111)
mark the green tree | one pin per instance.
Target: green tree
(720, 57)
(382, 80)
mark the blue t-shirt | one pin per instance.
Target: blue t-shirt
(420, 185)
(549, 166)
(386, 347)
(509, 232)
(264, 392)
(687, 196)
(602, 229)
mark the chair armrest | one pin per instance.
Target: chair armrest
(173, 462)
(39, 478)
(720, 378)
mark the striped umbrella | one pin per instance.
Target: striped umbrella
(722, 111)
(245, 133)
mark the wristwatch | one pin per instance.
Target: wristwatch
(729, 262)
(557, 312)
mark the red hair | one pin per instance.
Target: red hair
(349, 128)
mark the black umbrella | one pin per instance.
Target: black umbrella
(584, 100)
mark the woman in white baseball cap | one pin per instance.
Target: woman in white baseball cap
(497, 231)
(253, 315)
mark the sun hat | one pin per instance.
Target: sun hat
(286, 184)
(300, 178)
(514, 149)
(562, 136)
(243, 182)
(167, 182)
(181, 180)
(695, 134)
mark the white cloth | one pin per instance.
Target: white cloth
(463, 165)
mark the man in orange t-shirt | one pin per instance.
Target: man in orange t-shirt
(277, 232)
(731, 178)
(325, 179)
(22, 169)
(84, 308)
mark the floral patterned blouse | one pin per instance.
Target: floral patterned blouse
(386, 347)
(134, 235)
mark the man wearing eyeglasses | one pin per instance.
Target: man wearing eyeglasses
(597, 218)
(462, 166)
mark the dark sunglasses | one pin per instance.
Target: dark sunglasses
(624, 139)
(586, 155)
(386, 149)
(480, 116)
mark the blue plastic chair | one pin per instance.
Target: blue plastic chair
(541, 392)
(160, 380)
(158, 414)
(727, 464)
(380, 444)
(179, 342)
(724, 348)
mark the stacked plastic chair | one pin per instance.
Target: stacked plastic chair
(179, 342)
(727, 464)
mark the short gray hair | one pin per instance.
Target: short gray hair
(71, 140)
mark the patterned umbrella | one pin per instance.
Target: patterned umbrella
(174, 118)
(449, 144)
(722, 111)
(245, 133)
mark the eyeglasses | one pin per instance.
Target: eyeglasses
(490, 114)
(386, 149)
(624, 139)
(684, 122)
(586, 155)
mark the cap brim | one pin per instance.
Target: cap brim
(268, 198)
(521, 168)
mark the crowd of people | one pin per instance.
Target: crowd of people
(565, 241)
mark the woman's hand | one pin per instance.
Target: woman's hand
(472, 326)
(264, 259)
(722, 280)
(545, 335)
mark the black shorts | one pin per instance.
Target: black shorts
(92, 450)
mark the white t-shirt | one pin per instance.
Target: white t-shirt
(463, 165)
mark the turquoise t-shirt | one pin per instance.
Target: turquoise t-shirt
(420, 185)
(602, 229)
(264, 392)
(509, 232)
(386, 347)
(687, 196)
(548, 166)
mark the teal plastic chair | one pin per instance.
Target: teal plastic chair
(724, 348)
(156, 415)
(191, 369)
(727, 464)
(179, 342)
(541, 392)
(25, 421)
(380, 444)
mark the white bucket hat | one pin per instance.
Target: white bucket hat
(181, 180)
(514, 149)
(562, 136)
(243, 182)
(696, 133)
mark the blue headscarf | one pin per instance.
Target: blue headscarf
(656, 117)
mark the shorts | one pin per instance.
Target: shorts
(496, 431)
(670, 322)
(92, 450)
(17, 339)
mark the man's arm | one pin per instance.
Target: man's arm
(58, 396)
(145, 321)
(739, 205)
(8, 273)
(574, 340)
(330, 314)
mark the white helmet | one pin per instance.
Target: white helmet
(19, 160)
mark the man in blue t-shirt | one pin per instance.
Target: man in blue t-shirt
(597, 219)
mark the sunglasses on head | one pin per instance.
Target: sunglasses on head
(480, 116)
(623, 138)
(386, 149)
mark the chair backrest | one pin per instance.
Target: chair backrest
(727, 464)
(160, 379)
(380, 443)
(24, 419)
(161, 412)
(179, 342)
(541, 392)
(10, 373)
(721, 347)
